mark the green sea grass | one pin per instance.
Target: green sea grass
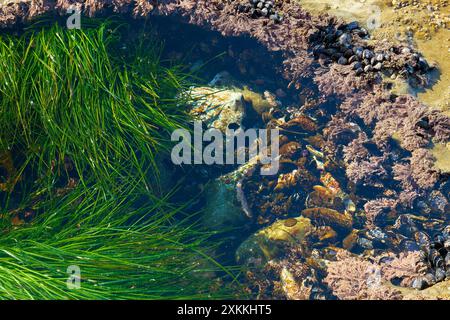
(88, 107)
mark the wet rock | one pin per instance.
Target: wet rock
(269, 243)
(217, 108)
(223, 208)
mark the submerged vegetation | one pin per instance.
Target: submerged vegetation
(85, 121)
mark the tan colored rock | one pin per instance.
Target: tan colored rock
(218, 108)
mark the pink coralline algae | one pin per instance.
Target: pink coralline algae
(370, 172)
(422, 169)
(353, 278)
(377, 210)
(405, 267)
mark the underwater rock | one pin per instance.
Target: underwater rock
(270, 242)
(261, 103)
(217, 108)
(293, 289)
(223, 208)
(226, 204)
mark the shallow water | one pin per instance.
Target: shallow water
(424, 23)
(211, 53)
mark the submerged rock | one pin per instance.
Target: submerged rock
(218, 108)
(269, 242)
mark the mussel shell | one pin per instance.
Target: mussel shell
(422, 240)
(439, 274)
(419, 283)
(287, 166)
(364, 243)
(405, 225)
(435, 259)
(408, 245)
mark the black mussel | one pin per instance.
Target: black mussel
(378, 66)
(368, 68)
(446, 232)
(264, 12)
(358, 51)
(352, 25)
(345, 39)
(365, 243)
(439, 274)
(435, 259)
(430, 278)
(233, 126)
(352, 59)
(447, 244)
(423, 64)
(367, 54)
(408, 245)
(342, 60)
(419, 283)
(338, 33)
(348, 53)
(422, 240)
(357, 66)
(363, 32)
(329, 37)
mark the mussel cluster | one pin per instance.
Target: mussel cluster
(342, 45)
(261, 8)
(436, 254)
(283, 194)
